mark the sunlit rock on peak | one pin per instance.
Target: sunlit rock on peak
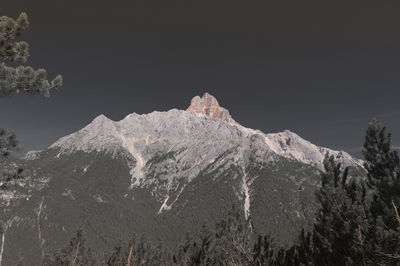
(208, 105)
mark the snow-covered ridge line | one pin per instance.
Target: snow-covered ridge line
(202, 121)
(292, 146)
(177, 126)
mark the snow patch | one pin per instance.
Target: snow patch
(291, 146)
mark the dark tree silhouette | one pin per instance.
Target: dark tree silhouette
(383, 166)
(358, 222)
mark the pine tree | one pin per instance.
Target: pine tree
(337, 237)
(358, 222)
(338, 233)
(264, 252)
(383, 166)
(20, 79)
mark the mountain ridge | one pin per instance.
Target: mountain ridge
(142, 136)
(162, 174)
(278, 142)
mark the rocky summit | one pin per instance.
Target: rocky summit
(161, 174)
(207, 105)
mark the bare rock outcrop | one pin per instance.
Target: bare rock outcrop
(208, 105)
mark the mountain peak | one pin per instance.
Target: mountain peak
(208, 105)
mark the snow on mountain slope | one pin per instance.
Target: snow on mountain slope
(101, 134)
(193, 139)
(290, 145)
(148, 133)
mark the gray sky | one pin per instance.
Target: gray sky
(322, 69)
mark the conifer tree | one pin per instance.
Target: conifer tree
(264, 252)
(337, 237)
(20, 79)
(383, 166)
(341, 221)
(358, 222)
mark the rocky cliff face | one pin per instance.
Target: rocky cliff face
(162, 174)
(207, 105)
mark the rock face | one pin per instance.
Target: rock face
(207, 105)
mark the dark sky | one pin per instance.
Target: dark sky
(322, 69)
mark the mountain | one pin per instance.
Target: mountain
(161, 174)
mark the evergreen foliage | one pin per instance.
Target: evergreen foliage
(198, 252)
(10, 29)
(264, 252)
(9, 177)
(383, 166)
(20, 79)
(8, 142)
(358, 222)
(137, 252)
(75, 253)
(230, 243)
(337, 237)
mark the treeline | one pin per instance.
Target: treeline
(358, 223)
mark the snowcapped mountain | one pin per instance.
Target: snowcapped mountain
(198, 136)
(163, 174)
(204, 121)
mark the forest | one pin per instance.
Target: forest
(357, 224)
